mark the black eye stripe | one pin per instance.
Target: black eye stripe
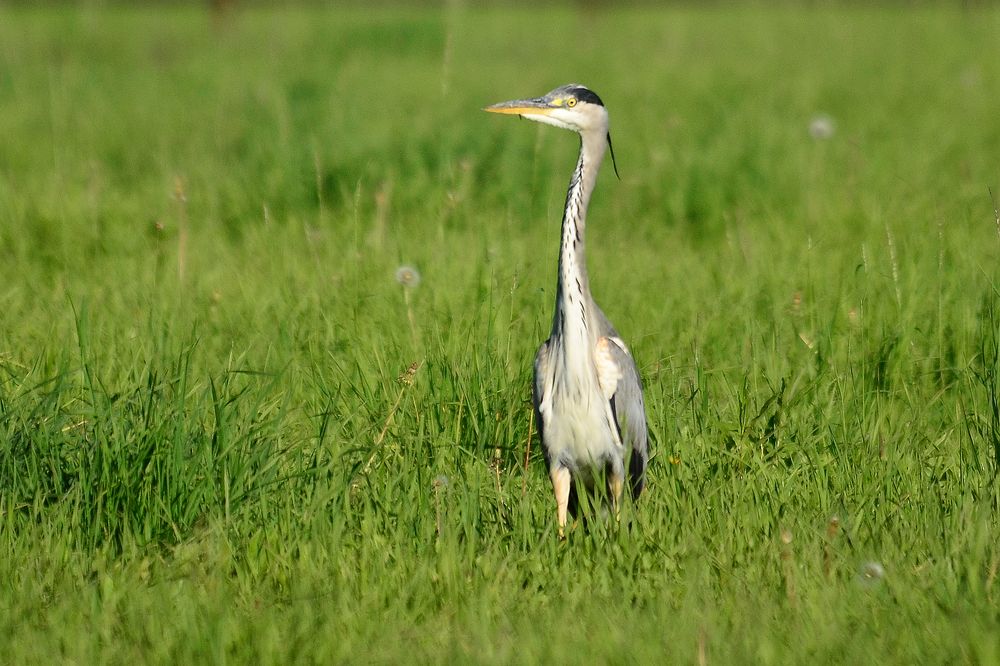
(589, 96)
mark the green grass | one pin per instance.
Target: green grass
(212, 449)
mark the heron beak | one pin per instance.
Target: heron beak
(522, 107)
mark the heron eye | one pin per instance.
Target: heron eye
(571, 102)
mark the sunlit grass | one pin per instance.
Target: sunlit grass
(271, 286)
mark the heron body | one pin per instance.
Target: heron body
(587, 392)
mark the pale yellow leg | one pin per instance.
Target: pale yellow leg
(615, 484)
(560, 484)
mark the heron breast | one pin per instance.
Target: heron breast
(577, 431)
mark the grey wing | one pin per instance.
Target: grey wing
(538, 392)
(630, 414)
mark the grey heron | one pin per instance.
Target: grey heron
(587, 394)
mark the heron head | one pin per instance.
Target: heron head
(573, 107)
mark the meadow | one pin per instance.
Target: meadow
(230, 434)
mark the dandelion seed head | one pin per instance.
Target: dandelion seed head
(821, 127)
(440, 481)
(408, 276)
(871, 573)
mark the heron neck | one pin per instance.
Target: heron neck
(573, 300)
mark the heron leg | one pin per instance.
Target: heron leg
(561, 485)
(616, 481)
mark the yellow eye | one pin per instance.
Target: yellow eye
(571, 102)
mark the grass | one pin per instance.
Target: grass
(228, 434)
